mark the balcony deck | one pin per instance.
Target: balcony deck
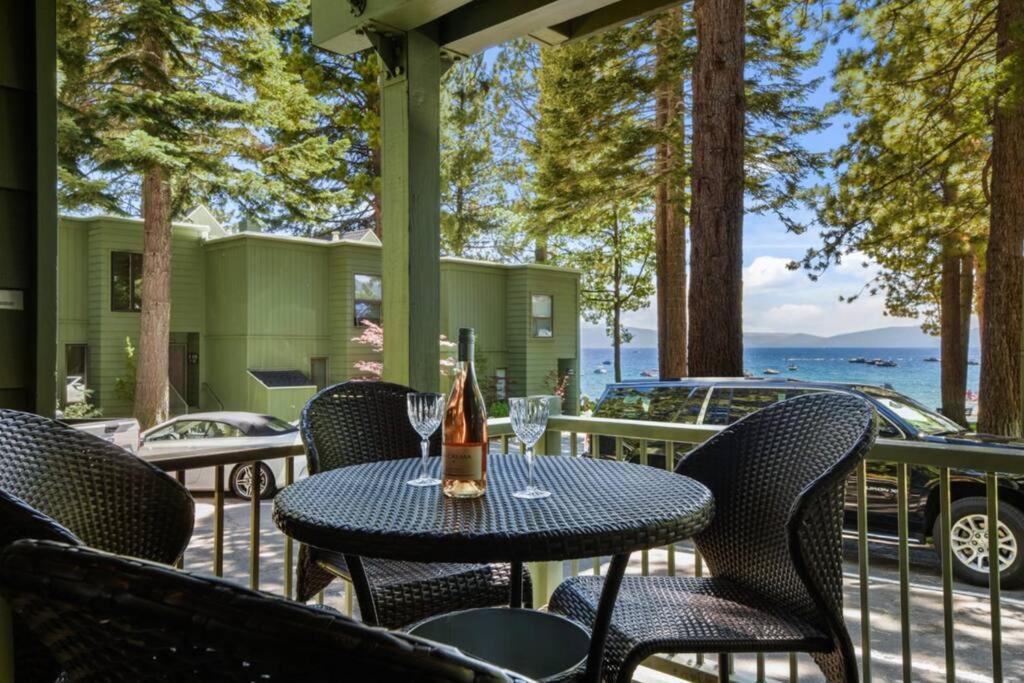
(970, 603)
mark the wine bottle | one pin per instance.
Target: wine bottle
(464, 449)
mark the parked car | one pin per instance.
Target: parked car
(220, 430)
(123, 431)
(719, 402)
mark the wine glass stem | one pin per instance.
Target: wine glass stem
(424, 448)
(529, 465)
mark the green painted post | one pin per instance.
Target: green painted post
(411, 211)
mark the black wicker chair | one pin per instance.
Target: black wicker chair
(359, 422)
(110, 618)
(59, 483)
(774, 547)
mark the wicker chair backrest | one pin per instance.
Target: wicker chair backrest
(359, 422)
(111, 618)
(778, 477)
(101, 493)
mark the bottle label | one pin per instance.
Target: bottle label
(463, 462)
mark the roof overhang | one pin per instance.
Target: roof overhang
(465, 27)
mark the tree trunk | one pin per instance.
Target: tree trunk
(540, 250)
(1004, 279)
(616, 302)
(954, 360)
(966, 305)
(155, 321)
(716, 214)
(669, 220)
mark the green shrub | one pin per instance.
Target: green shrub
(498, 409)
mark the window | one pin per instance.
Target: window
(367, 299)
(540, 312)
(501, 384)
(677, 404)
(728, 405)
(125, 281)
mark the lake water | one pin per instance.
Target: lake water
(914, 376)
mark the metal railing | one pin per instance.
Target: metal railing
(570, 435)
(674, 440)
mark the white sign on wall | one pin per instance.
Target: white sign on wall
(12, 300)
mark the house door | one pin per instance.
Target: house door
(177, 369)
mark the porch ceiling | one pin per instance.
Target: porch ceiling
(468, 26)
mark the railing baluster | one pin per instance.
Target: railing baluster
(289, 478)
(794, 668)
(180, 564)
(573, 447)
(862, 561)
(903, 514)
(254, 525)
(992, 494)
(574, 567)
(760, 667)
(670, 465)
(645, 559)
(504, 444)
(218, 520)
(618, 448)
(947, 574)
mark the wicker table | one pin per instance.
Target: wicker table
(598, 508)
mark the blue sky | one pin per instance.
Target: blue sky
(779, 300)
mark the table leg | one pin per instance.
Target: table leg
(367, 610)
(603, 619)
(516, 585)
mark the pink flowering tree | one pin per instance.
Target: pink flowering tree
(373, 336)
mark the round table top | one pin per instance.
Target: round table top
(597, 507)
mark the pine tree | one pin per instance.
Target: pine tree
(472, 177)
(186, 101)
(909, 190)
(1000, 409)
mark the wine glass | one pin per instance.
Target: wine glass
(425, 412)
(529, 418)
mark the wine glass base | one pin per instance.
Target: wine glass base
(531, 493)
(423, 481)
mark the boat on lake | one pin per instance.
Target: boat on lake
(771, 371)
(932, 359)
(793, 368)
(858, 360)
(972, 362)
(879, 363)
(649, 373)
(600, 371)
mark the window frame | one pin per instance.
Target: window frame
(550, 318)
(133, 295)
(356, 300)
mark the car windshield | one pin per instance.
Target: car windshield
(276, 424)
(916, 415)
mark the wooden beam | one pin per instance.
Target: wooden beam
(411, 212)
(609, 17)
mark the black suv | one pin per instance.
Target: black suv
(721, 402)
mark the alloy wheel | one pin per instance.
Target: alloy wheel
(969, 542)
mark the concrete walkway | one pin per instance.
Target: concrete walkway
(971, 605)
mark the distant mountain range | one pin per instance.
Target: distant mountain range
(897, 336)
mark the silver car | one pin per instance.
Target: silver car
(226, 430)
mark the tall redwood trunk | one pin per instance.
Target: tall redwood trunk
(616, 301)
(1004, 279)
(716, 214)
(155, 321)
(966, 305)
(669, 218)
(954, 359)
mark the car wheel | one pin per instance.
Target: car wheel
(969, 542)
(241, 481)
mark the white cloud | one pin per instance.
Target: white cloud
(767, 273)
(854, 264)
(786, 317)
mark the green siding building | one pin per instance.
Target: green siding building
(259, 321)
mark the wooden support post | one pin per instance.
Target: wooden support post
(411, 206)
